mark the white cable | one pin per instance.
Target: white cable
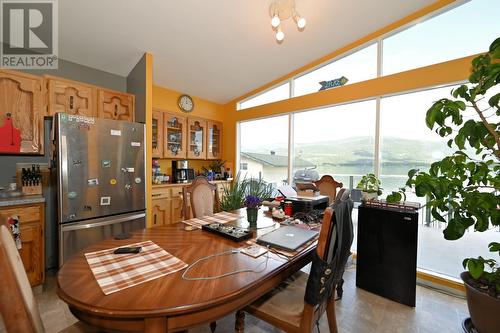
(233, 251)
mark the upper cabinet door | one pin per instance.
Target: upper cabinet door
(115, 105)
(21, 96)
(174, 135)
(197, 143)
(214, 140)
(157, 138)
(71, 97)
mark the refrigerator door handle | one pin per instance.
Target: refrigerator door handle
(84, 225)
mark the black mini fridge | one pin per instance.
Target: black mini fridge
(387, 252)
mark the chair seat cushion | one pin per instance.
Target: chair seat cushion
(284, 303)
(80, 327)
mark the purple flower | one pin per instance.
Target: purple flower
(252, 201)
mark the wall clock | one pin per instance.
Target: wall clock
(185, 103)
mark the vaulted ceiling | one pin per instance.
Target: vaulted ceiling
(216, 49)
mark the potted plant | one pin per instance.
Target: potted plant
(466, 185)
(256, 190)
(252, 203)
(370, 187)
(233, 197)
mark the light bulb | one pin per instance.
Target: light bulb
(275, 21)
(280, 35)
(301, 23)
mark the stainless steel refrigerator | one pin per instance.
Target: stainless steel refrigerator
(100, 180)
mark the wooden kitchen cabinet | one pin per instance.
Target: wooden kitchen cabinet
(157, 137)
(214, 140)
(197, 143)
(115, 105)
(161, 212)
(22, 96)
(31, 222)
(71, 97)
(174, 135)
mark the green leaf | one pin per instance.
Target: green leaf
(494, 247)
(494, 100)
(475, 267)
(394, 197)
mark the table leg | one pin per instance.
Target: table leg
(239, 325)
(155, 325)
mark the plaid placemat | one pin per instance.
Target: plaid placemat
(115, 272)
(222, 217)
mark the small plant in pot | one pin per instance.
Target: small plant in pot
(370, 187)
(466, 184)
(252, 203)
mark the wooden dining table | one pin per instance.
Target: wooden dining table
(171, 303)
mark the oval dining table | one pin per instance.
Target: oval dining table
(171, 303)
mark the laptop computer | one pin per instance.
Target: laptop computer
(287, 237)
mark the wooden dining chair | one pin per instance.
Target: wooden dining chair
(328, 186)
(204, 198)
(300, 301)
(17, 303)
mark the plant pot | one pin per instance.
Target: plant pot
(252, 214)
(484, 310)
(367, 196)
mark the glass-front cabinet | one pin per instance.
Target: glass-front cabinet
(157, 138)
(214, 140)
(174, 135)
(196, 138)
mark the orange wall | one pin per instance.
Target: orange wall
(166, 100)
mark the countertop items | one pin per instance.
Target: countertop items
(185, 184)
(21, 200)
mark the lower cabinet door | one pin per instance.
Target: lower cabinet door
(32, 252)
(161, 212)
(176, 210)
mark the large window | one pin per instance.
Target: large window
(338, 140)
(275, 94)
(356, 67)
(264, 149)
(407, 143)
(462, 31)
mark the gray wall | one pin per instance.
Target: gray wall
(73, 71)
(136, 84)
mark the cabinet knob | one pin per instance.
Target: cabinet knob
(71, 98)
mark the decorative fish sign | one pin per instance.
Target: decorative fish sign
(333, 83)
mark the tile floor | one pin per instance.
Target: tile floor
(358, 312)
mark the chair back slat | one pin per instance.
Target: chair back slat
(17, 303)
(203, 196)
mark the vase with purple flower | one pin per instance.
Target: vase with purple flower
(252, 203)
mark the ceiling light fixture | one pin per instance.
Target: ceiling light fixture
(281, 10)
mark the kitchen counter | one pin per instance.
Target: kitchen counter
(185, 184)
(21, 200)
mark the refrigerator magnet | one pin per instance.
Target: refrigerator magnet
(116, 133)
(135, 144)
(112, 181)
(106, 163)
(105, 201)
(92, 182)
